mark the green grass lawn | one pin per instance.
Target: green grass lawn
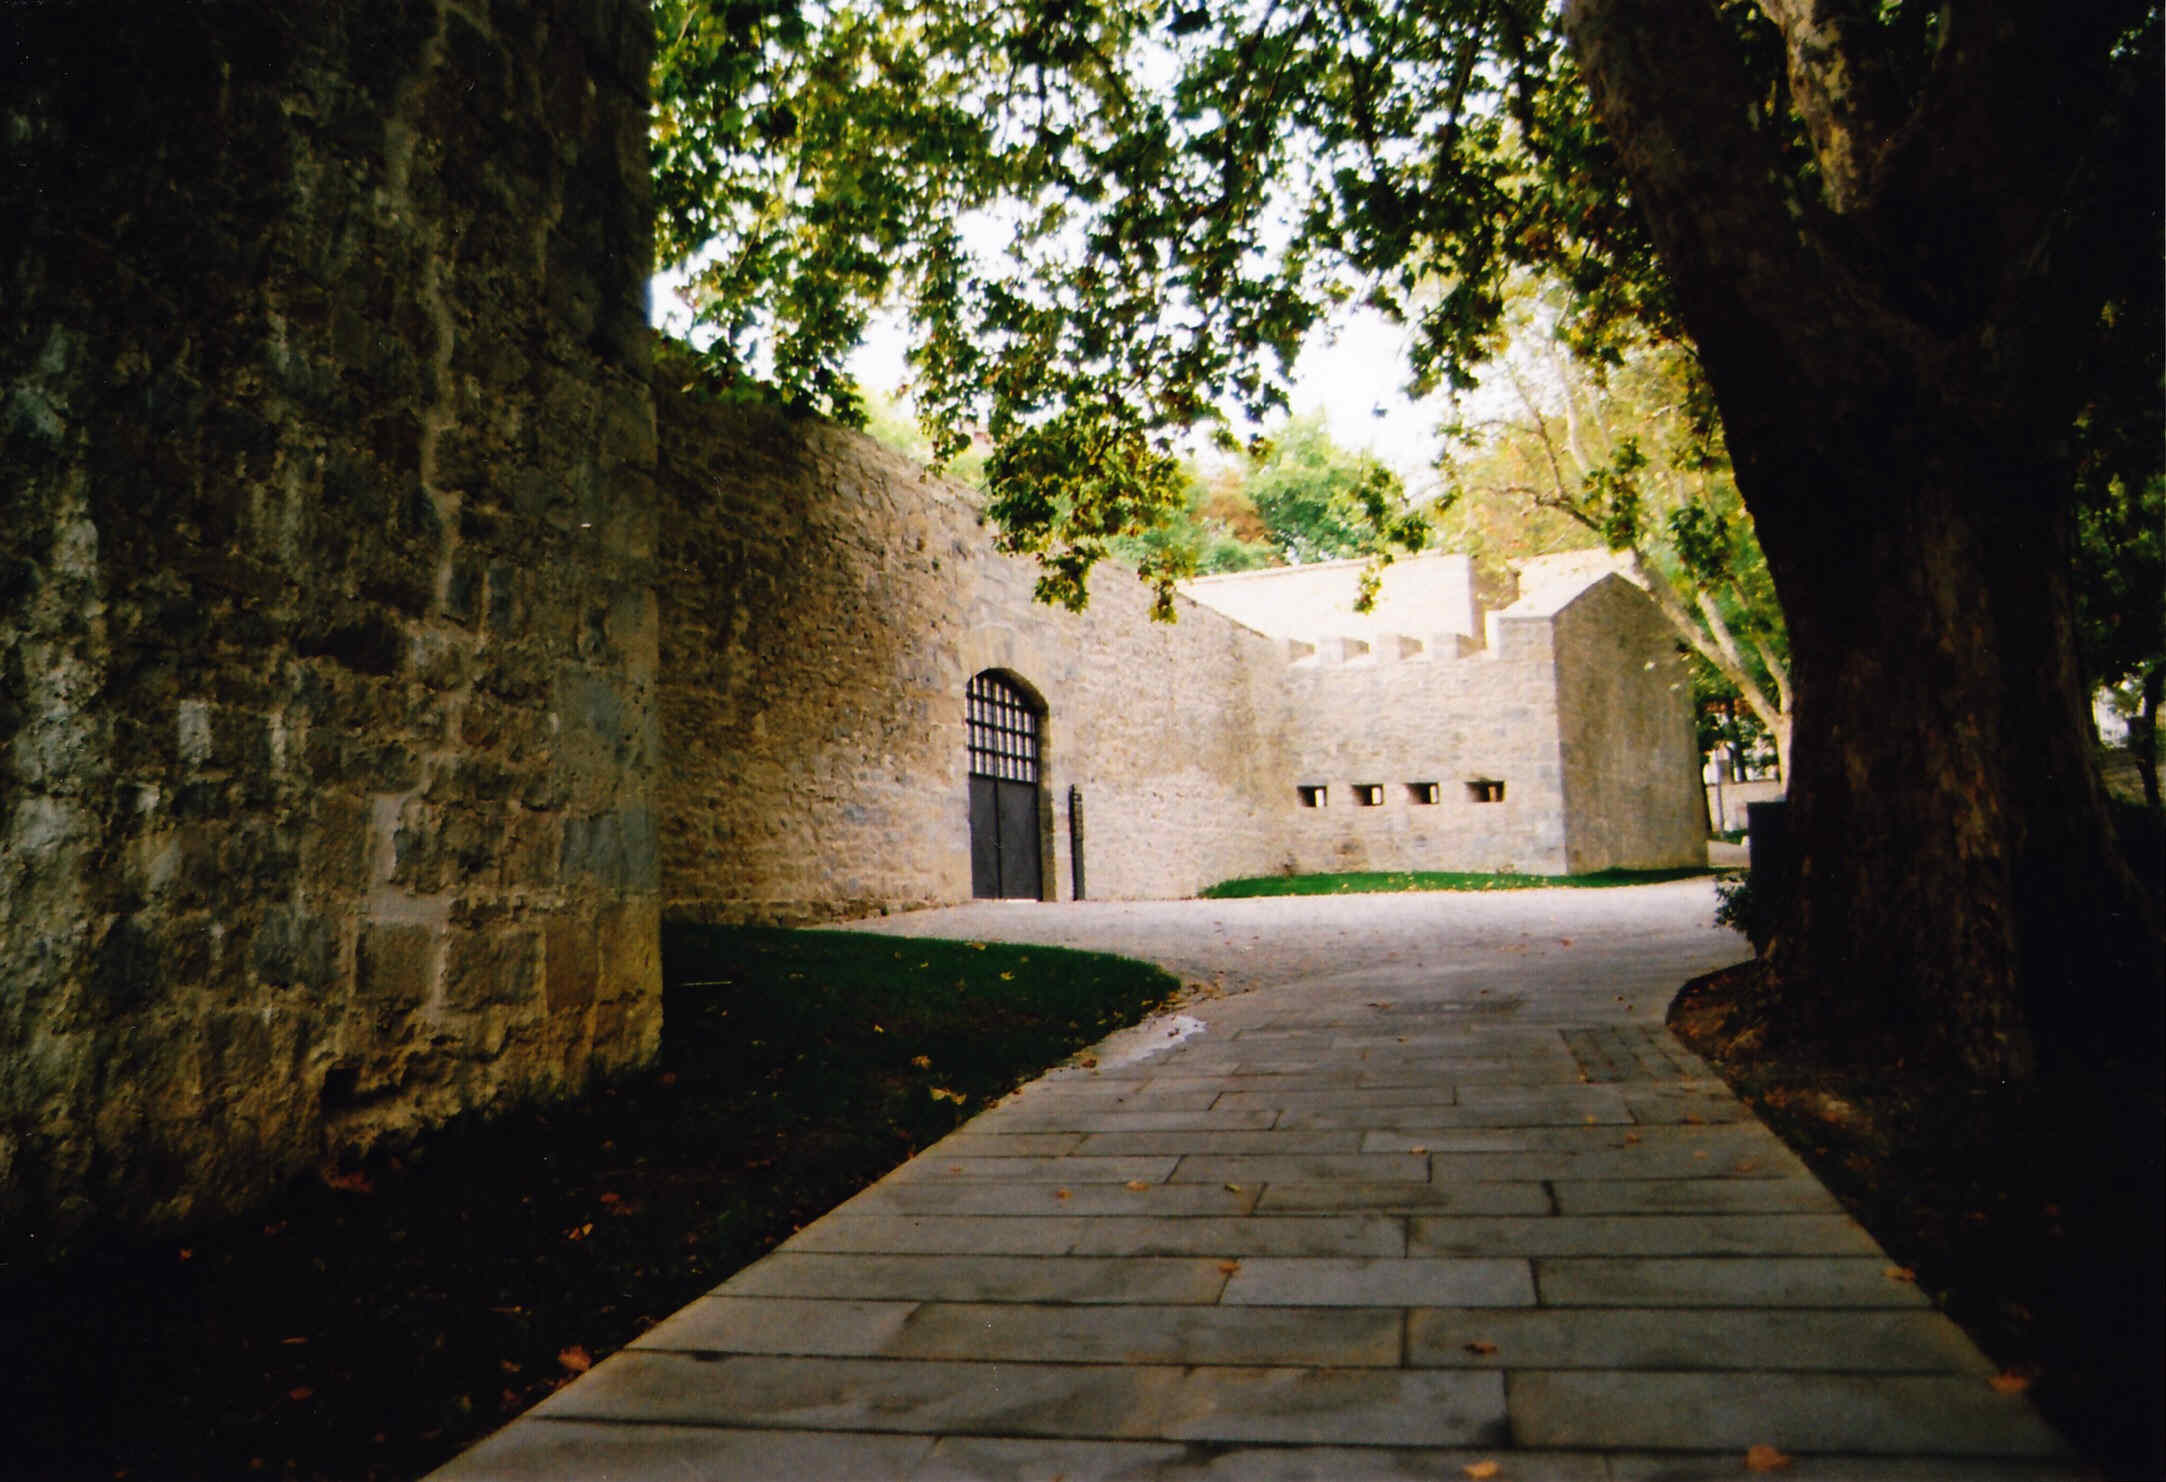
(373, 1327)
(1372, 882)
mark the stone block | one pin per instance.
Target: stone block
(572, 963)
(492, 967)
(629, 938)
(618, 850)
(394, 969)
(295, 946)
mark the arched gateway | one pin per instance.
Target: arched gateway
(1006, 855)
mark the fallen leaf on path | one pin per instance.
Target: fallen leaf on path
(1481, 1346)
(2010, 1381)
(1746, 1165)
(1693, 1119)
(1765, 1459)
(1480, 1469)
(1901, 1273)
(1631, 1137)
(1062, 1194)
(576, 1359)
(1229, 1267)
(1233, 1188)
(1136, 1186)
(1423, 1149)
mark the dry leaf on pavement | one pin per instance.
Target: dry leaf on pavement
(1765, 1459)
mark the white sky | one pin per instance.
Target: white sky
(1352, 371)
(1353, 375)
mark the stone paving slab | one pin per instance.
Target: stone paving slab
(1868, 1413)
(1127, 1334)
(978, 1459)
(1641, 1235)
(1051, 1170)
(1435, 1189)
(1689, 1195)
(1906, 1341)
(550, 1450)
(1266, 1144)
(1785, 1281)
(982, 1278)
(1381, 1283)
(1107, 1235)
(915, 1196)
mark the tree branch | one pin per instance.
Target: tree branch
(1841, 87)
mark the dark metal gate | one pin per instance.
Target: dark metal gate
(1005, 856)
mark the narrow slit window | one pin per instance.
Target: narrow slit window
(1369, 794)
(1485, 790)
(1422, 794)
(1314, 797)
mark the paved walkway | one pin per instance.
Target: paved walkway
(1418, 1184)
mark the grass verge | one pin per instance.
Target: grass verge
(1377, 882)
(371, 1324)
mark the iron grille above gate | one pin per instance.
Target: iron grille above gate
(1003, 730)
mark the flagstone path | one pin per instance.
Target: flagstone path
(1416, 1187)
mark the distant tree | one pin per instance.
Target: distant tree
(1322, 502)
(1216, 530)
(1631, 457)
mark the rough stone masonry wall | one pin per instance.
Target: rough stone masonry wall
(1391, 718)
(824, 604)
(327, 635)
(1632, 794)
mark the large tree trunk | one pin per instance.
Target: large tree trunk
(1891, 364)
(1957, 890)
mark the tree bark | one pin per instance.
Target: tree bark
(1893, 406)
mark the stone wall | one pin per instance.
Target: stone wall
(1399, 716)
(1624, 718)
(825, 602)
(327, 629)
